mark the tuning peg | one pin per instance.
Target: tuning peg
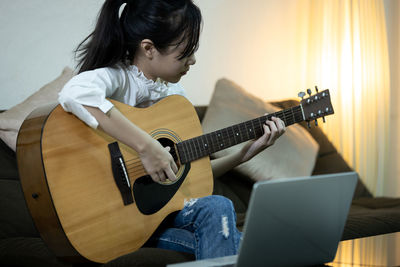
(316, 89)
(316, 122)
(301, 94)
(308, 125)
(323, 119)
(309, 91)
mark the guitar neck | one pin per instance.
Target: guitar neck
(204, 145)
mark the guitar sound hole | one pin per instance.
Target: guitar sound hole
(167, 142)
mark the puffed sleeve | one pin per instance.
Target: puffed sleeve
(90, 88)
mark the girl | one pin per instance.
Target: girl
(137, 58)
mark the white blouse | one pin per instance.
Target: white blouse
(127, 85)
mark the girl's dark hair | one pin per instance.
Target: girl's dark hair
(116, 38)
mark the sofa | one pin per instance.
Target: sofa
(21, 244)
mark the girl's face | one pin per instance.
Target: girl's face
(168, 66)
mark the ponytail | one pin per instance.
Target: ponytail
(115, 39)
(105, 45)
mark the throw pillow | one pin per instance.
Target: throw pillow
(12, 119)
(292, 155)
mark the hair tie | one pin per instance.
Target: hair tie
(121, 8)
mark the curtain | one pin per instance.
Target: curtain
(343, 47)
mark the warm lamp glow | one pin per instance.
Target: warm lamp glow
(348, 53)
(380, 250)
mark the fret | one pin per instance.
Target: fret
(259, 130)
(186, 150)
(294, 115)
(211, 142)
(199, 146)
(299, 115)
(225, 138)
(245, 134)
(249, 130)
(219, 140)
(200, 149)
(246, 130)
(195, 148)
(289, 118)
(192, 148)
(241, 129)
(208, 143)
(252, 129)
(180, 151)
(284, 118)
(205, 144)
(261, 122)
(294, 118)
(238, 134)
(190, 154)
(231, 136)
(202, 144)
(187, 154)
(228, 138)
(278, 114)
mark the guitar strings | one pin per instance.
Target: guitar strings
(135, 163)
(135, 166)
(215, 143)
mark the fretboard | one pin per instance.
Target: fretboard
(207, 144)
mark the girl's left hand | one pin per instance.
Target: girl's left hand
(273, 129)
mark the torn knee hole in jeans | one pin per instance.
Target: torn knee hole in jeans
(190, 202)
(225, 228)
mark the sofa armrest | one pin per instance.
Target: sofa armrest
(201, 111)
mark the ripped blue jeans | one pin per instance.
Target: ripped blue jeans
(206, 227)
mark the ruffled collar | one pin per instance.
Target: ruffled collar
(155, 86)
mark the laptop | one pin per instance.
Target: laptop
(292, 222)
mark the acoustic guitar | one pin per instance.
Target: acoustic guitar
(89, 195)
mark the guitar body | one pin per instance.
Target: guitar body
(68, 182)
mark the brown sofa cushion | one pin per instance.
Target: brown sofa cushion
(372, 216)
(8, 162)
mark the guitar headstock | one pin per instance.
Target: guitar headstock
(316, 106)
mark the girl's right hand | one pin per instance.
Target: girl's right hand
(158, 162)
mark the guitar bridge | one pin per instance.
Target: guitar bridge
(120, 174)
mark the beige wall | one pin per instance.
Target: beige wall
(36, 41)
(249, 42)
